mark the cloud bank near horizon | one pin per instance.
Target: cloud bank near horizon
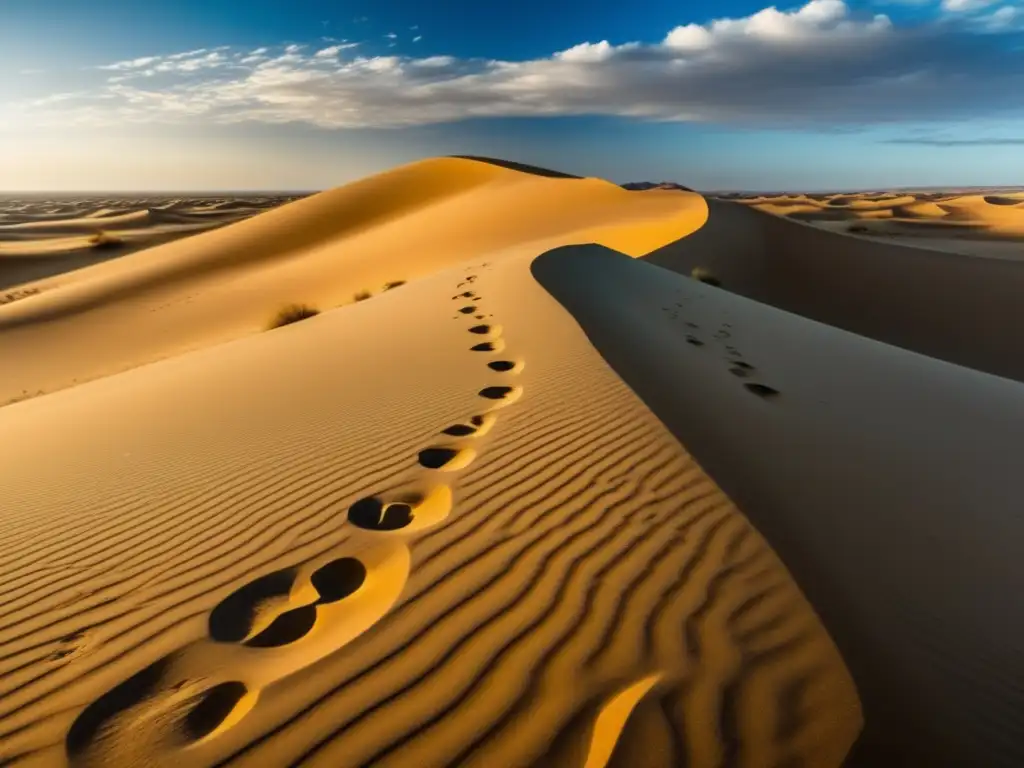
(820, 65)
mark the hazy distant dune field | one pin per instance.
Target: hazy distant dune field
(43, 235)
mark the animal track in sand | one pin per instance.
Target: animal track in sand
(486, 330)
(468, 310)
(691, 339)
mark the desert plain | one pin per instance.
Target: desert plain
(514, 487)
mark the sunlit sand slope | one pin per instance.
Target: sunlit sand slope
(957, 308)
(321, 250)
(432, 528)
(887, 481)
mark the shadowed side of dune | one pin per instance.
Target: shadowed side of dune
(887, 482)
(961, 309)
(521, 167)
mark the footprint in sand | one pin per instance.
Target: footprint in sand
(691, 339)
(740, 368)
(761, 390)
(489, 346)
(281, 622)
(505, 366)
(269, 628)
(446, 458)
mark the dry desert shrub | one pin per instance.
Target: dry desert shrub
(393, 284)
(292, 313)
(104, 239)
(705, 275)
(363, 295)
(7, 298)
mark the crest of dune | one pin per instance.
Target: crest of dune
(223, 284)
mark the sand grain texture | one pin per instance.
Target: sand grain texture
(392, 533)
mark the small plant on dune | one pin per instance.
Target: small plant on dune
(705, 275)
(292, 313)
(857, 229)
(104, 239)
(393, 284)
(363, 295)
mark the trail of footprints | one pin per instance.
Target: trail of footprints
(737, 366)
(287, 620)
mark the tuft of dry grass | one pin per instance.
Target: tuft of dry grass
(363, 295)
(858, 228)
(705, 275)
(292, 313)
(104, 239)
(18, 293)
(393, 284)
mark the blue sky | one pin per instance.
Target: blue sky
(309, 94)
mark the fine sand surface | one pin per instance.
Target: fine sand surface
(954, 307)
(886, 480)
(42, 236)
(429, 528)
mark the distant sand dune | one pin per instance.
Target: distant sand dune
(984, 217)
(35, 245)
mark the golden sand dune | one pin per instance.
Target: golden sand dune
(322, 250)
(919, 210)
(981, 223)
(886, 480)
(432, 528)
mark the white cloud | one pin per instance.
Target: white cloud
(417, 38)
(818, 65)
(587, 52)
(1005, 18)
(334, 50)
(193, 54)
(962, 6)
(139, 63)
